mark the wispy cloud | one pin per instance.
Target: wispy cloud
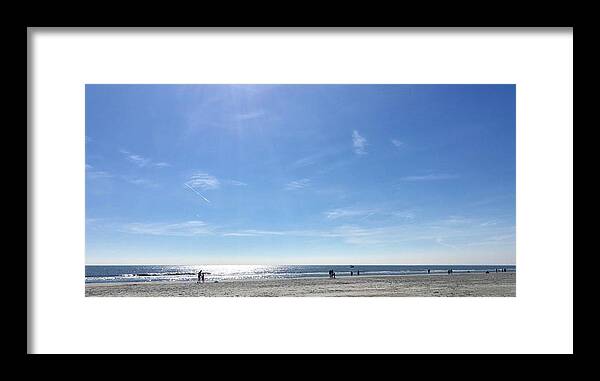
(183, 229)
(141, 182)
(437, 232)
(430, 177)
(340, 213)
(200, 182)
(98, 175)
(493, 199)
(306, 161)
(142, 161)
(434, 233)
(348, 212)
(489, 223)
(203, 181)
(138, 160)
(326, 155)
(235, 183)
(359, 143)
(397, 143)
(297, 184)
(406, 214)
(254, 233)
(444, 243)
(502, 239)
(456, 220)
(353, 234)
(249, 115)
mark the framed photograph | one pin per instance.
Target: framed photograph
(256, 191)
(300, 190)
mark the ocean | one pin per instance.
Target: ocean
(178, 273)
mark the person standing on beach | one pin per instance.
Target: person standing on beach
(200, 276)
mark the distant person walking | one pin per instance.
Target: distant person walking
(200, 276)
(357, 272)
(351, 273)
(428, 271)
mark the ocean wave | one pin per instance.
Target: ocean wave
(149, 273)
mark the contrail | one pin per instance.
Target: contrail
(198, 193)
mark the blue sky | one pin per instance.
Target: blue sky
(262, 174)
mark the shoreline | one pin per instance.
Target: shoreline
(438, 284)
(343, 276)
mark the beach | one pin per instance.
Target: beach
(464, 284)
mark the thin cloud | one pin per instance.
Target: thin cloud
(430, 177)
(406, 214)
(359, 143)
(324, 155)
(345, 213)
(397, 143)
(444, 243)
(249, 115)
(98, 175)
(457, 220)
(306, 161)
(254, 233)
(141, 182)
(297, 184)
(451, 236)
(340, 213)
(142, 161)
(235, 183)
(203, 181)
(505, 239)
(138, 160)
(183, 229)
(492, 199)
(489, 223)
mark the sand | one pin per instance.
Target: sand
(481, 284)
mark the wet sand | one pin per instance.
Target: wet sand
(480, 284)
